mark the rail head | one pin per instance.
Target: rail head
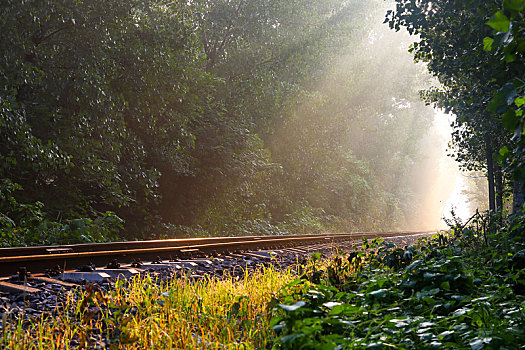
(38, 259)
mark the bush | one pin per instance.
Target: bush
(443, 293)
(26, 224)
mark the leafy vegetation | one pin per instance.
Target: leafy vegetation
(483, 88)
(184, 118)
(452, 291)
(28, 225)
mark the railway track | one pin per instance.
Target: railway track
(38, 259)
(80, 262)
(31, 284)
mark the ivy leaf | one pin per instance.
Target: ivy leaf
(291, 337)
(331, 304)
(477, 344)
(293, 307)
(514, 5)
(445, 285)
(520, 101)
(505, 96)
(445, 334)
(509, 120)
(499, 22)
(487, 43)
(461, 311)
(378, 293)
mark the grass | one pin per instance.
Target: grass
(210, 313)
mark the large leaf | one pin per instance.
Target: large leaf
(499, 22)
(504, 97)
(520, 101)
(487, 43)
(509, 120)
(293, 307)
(380, 293)
(504, 151)
(514, 5)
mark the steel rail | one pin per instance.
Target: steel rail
(91, 247)
(38, 259)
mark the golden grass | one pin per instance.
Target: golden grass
(209, 313)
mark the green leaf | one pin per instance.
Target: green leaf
(445, 334)
(509, 120)
(399, 323)
(275, 321)
(504, 151)
(426, 324)
(295, 282)
(445, 285)
(487, 43)
(337, 310)
(499, 22)
(331, 304)
(430, 301)
(278, 327)
(510, 57)
(520, 101)
(476, 344)
(505, 96)
(428, 275)
(378, 293)
(414, 265)
(293, 307)
(291, 337)
(500, 40)
(461, 311)
(514, 5)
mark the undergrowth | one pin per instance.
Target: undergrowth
(210, 313)
(463, 290)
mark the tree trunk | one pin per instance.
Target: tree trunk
(518, 196)
(490, 174)
(499, 187)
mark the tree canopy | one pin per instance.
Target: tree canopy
(157, 118)
(476, 54)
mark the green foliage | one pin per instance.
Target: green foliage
(26, 224)
(437, 294)
(499, 22)
(306, 220)
(509, 49)
(206, 117)
(447, 30)
(91, 101)
(483, 88)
